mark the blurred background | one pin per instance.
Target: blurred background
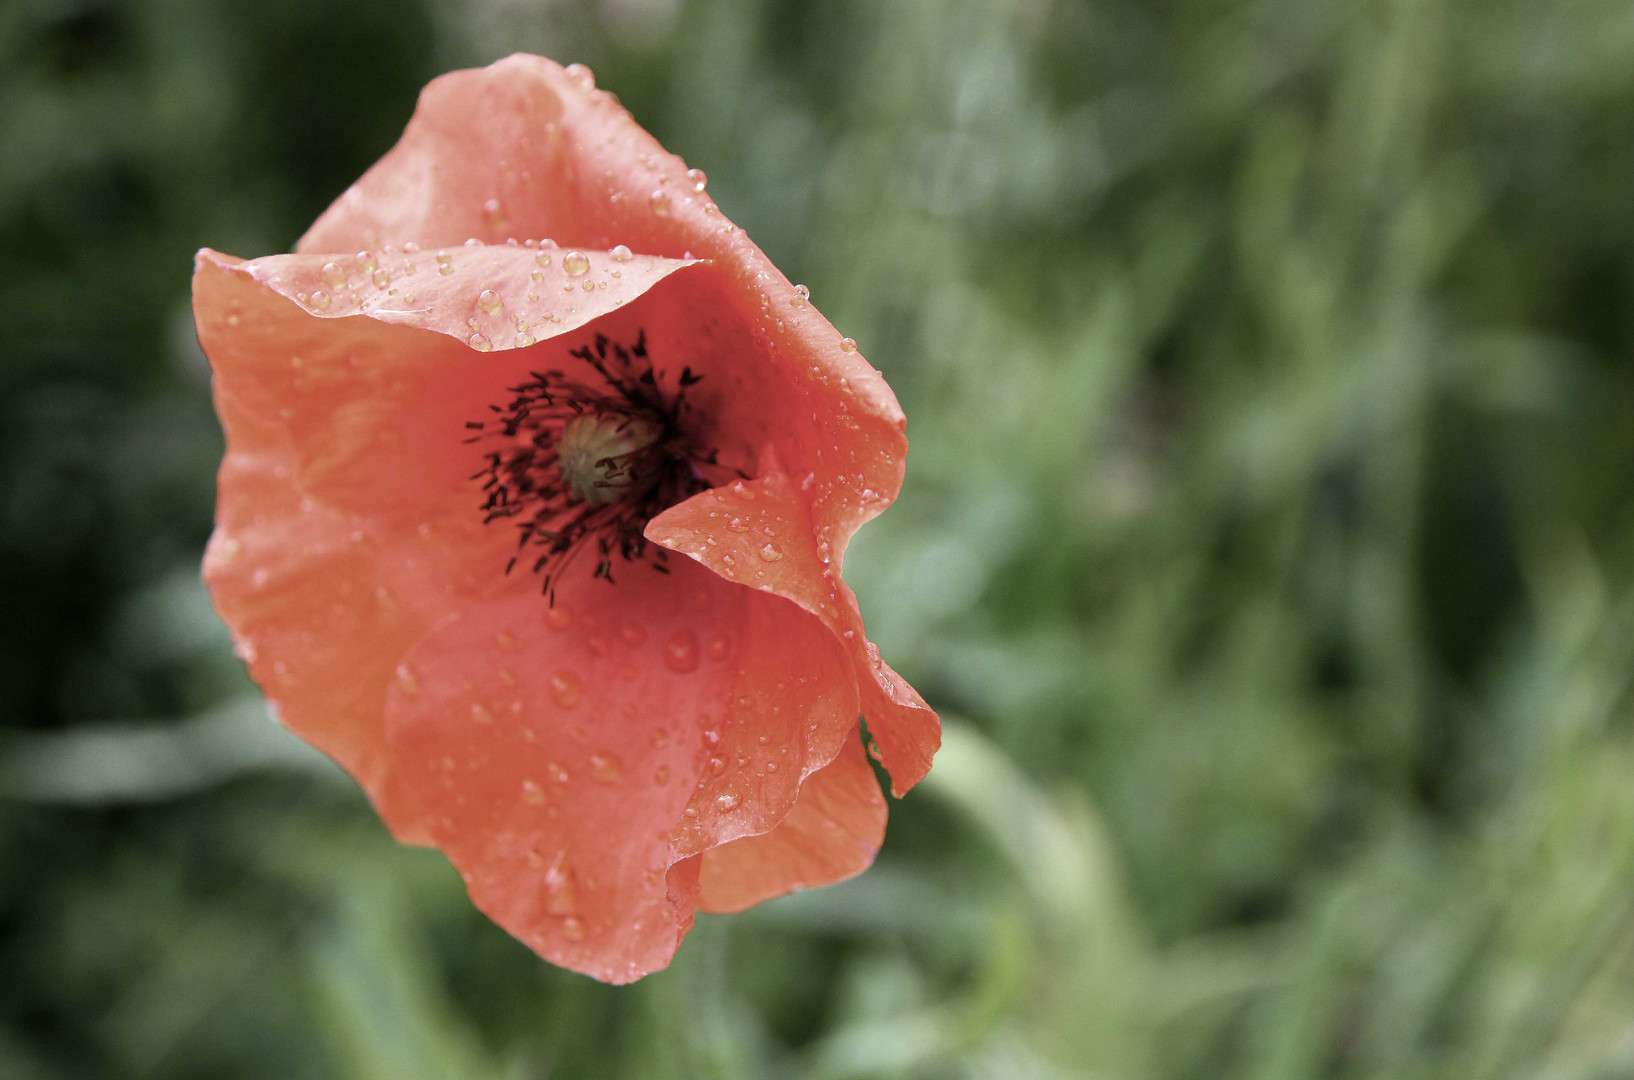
(1268, 543)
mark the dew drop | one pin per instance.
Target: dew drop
(380, 278)
(480, 713)
(738, 525)
(566, 689)
(320, 299)
(411, 248)
(582, 77)
(848, 345)
(333, 274)
(543, 259)
(801, 295)
(575, 263)
(720, 647)
(659, 201)
(660, 737)
(479, 342)
(557, 774)
(538, 275)
(489, 301)
(558, 618)
(573, 928)
(605, 769)
(698, 179)
(597, 645)
(727, 802)
(445, 269)
(365, 261)
(474, 242)
(621, 253)
(771, 553)
(681, 652)
(524, 339)
(532, 793)
(561, 898)
(494, 211)
(660, 776)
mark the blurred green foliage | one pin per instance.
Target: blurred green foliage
(1268, 541)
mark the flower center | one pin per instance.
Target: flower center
(595, 454)
(586, 461)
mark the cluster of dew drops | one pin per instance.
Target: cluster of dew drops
(344, 282)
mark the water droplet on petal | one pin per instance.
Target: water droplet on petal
(479, 342)
(660, 776)
(558, 618)
(488, 300)
(561, 897)
(380, 278)
(847, 345)
(621, 253)
(494, 211)
(659, 201)
(320, 299)
(698, 179)
(575, 263)
(333, 274)
(605, 769)
(407, 680)
(445, 269)
(532, 793)
(681, 652)
(720, 647)
(771, 553)
(738, 525)
(727, 802)
(582, 77)
(365, 261)
(573, 928)
(566, 689)
(480, 713)
(801, 295)
(524, 339)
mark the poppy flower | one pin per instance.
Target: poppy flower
(539, 478)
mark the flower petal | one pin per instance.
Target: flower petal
(758, 532)
(569, 760)
(833, 833)
(524, 148)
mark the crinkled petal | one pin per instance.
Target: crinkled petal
(375, 406)
(758, 532)
(526, 149)
(568, 759)
(833, 833)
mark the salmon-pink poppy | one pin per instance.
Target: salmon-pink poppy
(541, 538)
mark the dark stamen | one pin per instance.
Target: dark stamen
(560, 507)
